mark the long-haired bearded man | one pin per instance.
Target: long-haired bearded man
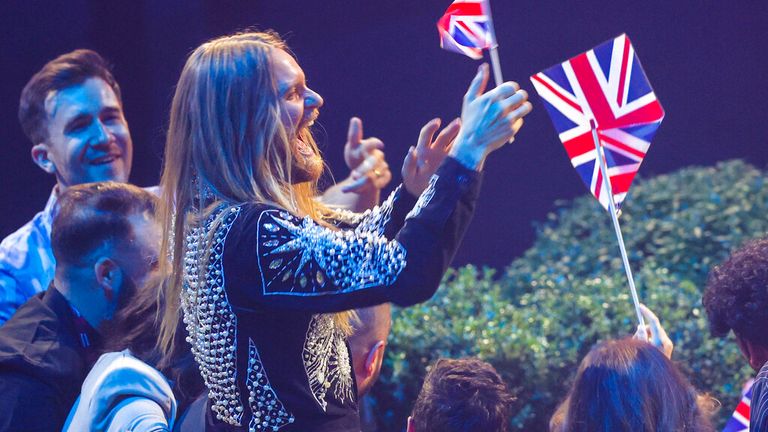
(263, 273)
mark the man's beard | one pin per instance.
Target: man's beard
(307, 163)
(116, 322)
(127, 295)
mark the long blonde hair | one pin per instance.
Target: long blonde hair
(226, 145)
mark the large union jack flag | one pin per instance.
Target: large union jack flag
(606, 84)
(464, 28)
(739, 422)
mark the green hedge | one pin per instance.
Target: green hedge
(537, 319)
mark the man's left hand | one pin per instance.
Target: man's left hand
(365, 158)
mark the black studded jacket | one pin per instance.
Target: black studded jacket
(259, 309)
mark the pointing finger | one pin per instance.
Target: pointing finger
(355, 132)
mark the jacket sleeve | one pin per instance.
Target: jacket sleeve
(138, 414)
(10, 299)
(384, 219)
(27, 404)
(122, 393)
(275, 259)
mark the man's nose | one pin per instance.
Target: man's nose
(101, 134)
(313, 99)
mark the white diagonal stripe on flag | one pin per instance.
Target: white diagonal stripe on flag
(628, 139)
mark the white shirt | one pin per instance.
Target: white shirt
(122, 393)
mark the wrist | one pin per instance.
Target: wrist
(468, 159)
(465, 152)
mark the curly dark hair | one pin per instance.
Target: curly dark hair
(736, 296)
(464, 395)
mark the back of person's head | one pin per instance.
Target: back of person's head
(736, 296)
(464, 395)
(105, 240)
(62, 72)
(93, 217)
(367, 344)
(629, 385)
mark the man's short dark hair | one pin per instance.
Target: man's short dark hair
(64, 71)
(464, 395)
(736, 296)
(92, 214)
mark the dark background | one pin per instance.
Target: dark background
(381, 61)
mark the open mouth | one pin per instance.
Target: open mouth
(104, 160)
(311, 120)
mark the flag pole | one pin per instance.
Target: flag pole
(494, 49)
(614, 216)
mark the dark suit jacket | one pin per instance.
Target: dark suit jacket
(42, 365)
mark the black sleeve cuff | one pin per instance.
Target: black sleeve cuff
(466, 178)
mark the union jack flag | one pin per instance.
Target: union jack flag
(465, 28)
(606, 84)
(739, 422)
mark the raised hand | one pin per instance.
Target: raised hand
(422, 161)
(654, 333)
(489, 120)
(365, 158)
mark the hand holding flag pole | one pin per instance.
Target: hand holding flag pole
(493, 49)
(604, 88)
(467, 28)
(615, 218)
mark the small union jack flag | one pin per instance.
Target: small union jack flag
(739, 422)
(465, 28)
(607, 85)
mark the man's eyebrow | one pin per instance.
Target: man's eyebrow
(76, 117)
(288, 85)
(112, 109)
(296, 81)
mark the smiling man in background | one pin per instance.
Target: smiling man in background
(72, 111)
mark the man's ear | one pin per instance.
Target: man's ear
(109, 277)
(410, 427)
(42, 159)
(375, 357)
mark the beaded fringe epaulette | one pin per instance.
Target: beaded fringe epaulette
(211, 324)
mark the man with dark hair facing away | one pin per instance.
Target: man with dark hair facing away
(105, 240)
(736, 299)
(464, 395)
